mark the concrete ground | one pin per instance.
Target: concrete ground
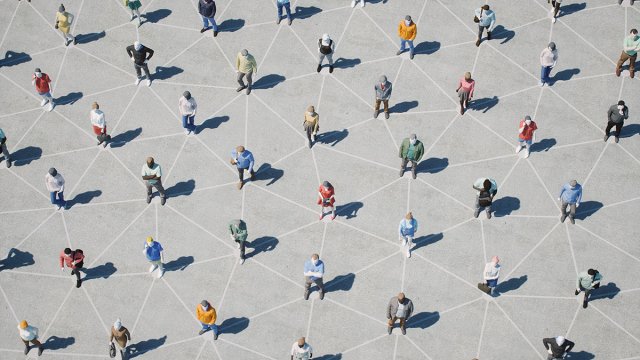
(260, 305)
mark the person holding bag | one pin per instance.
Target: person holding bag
(486, 19)
(63, 23)
(99, 125)
(122, 336)
(311, 125)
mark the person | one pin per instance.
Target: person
(187, 106)
(486, 19)
(152, 175)
(55, 186)
(42, 83)
(555, 9)
(311, 125)
(557, 347)
(243, 160)
(300, 350)
(630, 47)
(326, 199)
(140, 55)
(122, 336)
(326, 46)
(587, 281)
(466, 85)
(492, 273)
(411, 151)
(616, 116)
(407, 31)
(570, 195)
(487, 189)
(526, 135)
(154, 252)
(3, 148)
(548, 59)
(245, 66)
(238, 231)
(63, 23)
(353, 3)
(383, 93)
(74, 260)
(29, 334)
(99, 125)
(313, 273)
(207, 316)
(134, 7)
(407, 230)
(630, 2)
(399, 308)
(207, 9)
(287, 7)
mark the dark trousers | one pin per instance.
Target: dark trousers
(5, 152)
(611, 124)
(242, 248)
(556, 7)
(413, 163)
(35, 342)
(308, 282)
(623, 59)
(309, 131)
(572, 209)
(76, 272)
(587, 293)
(241, 173)
(287, 8)
(481, 30)
(386, 105)
(249, 76)
(143, 67)
(630, 1)
(158, 186)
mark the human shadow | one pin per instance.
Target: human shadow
(510, 285)
(543, 145)
(16, 259)
(268, 81)
(87, 38)
(587, 208)
(211, 123)
(630, 130)
(505, 206)
(580, 355)
(260, 245)
(182, 188)
(332, 137)
(340, 283)
(500, 32)
(164, 73)
(608, 291)
(302, 12)
(12, 58)
(123, 138)
(349, 210)
(145, 346)
(234, 325)
(564, 75)
(427, 47)
(403, 107)
(572, 8)
(231, 25)
(423, 320)
(156, 15)
(343, 63)
(68, 99)
(484, 104)
(266, 172)
(179, 264)
(423, 241)
(432, 165)
(100, 271)
(26, 155)
(84, 198)
(329, 357)
(58, 343)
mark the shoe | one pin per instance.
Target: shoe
(333, 217)
(58, 207)
(476, 214)
(201, 30)
(187, 131)
(306, 295)
(44, 102)
(321, 216)
(163, 200)
(616, 140)
(399, 52)
(330, 69)
(584, 305)
(488, 35)
(553, 20)
(618, 71)
(375, 114)
(518, 148)
(241, 261)
(78, 283)
(215, 336)
(278, 21)
(577, 292)
(240, 184)
(413, 175)
(215, 33)
(139, 23)
(541, 83)
(606, 137)
(26, 349)
(321, 295)
(161, 273)
(201, 332)
(386, 115)
(148, 199)
(488, 215)
(411, 56)
(573, 221)
(389, 330)
(408, 253)
(148, 82)
(75, 40)
(41, 348)
(562, 219)
(241, 88)
(153, 267)
(353, 3)
(137, 81)
(404, 330)
(631, 74)
(319, 68)
(401, 172)
(67, 42)
(526, 154)
(9, 163)
(290, 21)
(478, 42)
(361, 3)
(248, 90)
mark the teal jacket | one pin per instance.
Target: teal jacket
(238, 229)
(586, 282)
(418, 151)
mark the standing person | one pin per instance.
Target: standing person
(42, 83)
(407, 230)
(287, 7)
(140, 55)
(353, 3)
(570, 195)
(313, 273)
(466, 85)
(555, 9)
(187, 106)
(134, 6)
(492, 273)
(245, 66)
(548, 59)
(152, 175)
(326, 46)
(526, 135)
(99, 125)
(587, 281)
(154, 252)
(311, 125)
(207, 316)
(557, 347)
(207, 9)
(630, 47)
(122, 336)
(486, 19)
(239, 234)
(616, 116)
(383, 93)
(3, 148)
(55, 186)
(407, 31)
(630, 2)
(63, 23)
(300, 350)
(29, 334)
(411, 151)
(487, 188)
(243, 160)
(399, 308)
(74, 260)
(326, 199)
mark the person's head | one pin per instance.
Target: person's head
(149, 240)
(486, 185)
(150, 161)
(552, 46)
(592, 272)
(467, 76)
(326, 184)
(413, 139)
(383, 79)
(301, 342)
(240, 149)
(495, 260)
(244, 52)
(53, 172)
(315, 258)
(118, 324)
(560, 340)
(38, 72)
(633, 33)
(401, 297)
(527, 120)
(311, 109)
(23, 324)
(407, 20)
(61, 8)
(204, 304)
(187, 95)
(409, 216)
(137, 45)
(95, 105)
(325, 39)
(573, 184)
(485, 7)
(67, 251)
(621, 104)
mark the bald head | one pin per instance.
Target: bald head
(240, 149)
(301, 341)
(401, 296)
(150, 161)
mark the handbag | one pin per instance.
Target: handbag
(476, 19)
(112, 350)
(484, 288)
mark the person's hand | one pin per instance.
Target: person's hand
(577, 204)
(132, 59)
(62, 269)
(558, 199)
(549, 350)
(457, 90)
(56, 26)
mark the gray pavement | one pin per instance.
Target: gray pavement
(260, 304)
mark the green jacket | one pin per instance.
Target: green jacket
(418, 151)
(238, 229)
(586, 282)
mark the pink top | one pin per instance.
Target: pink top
(467, 86)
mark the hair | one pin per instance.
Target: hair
(315, 256)
(240, 149)
(95, 105)
(467, 76)
(401, 296)
(621, 102)
(485, 7)
(67, 251)
(409, 216)
(592, 272)
(634, 31)
(486, 184)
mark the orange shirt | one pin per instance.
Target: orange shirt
(527, 132)
(42, 83)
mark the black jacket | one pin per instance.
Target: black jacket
(207, 8)
(556, 350)
(139, 56)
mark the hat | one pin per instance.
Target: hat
(117, 325)
(149, 239)
(383, 79)
(326, 184)
(325, 39)
(311, 109)
(53, 172)
(560, 340)
(527, 117)
(244, 52)
(552, 45)
(187, 95)
(23, 324)
(61, 8)
(413, 137)
(573, 183)
(37, 70)
(204, 303)
(621, 102)
(408, 17)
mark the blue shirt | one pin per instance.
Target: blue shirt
(153, 251)
(408, 227)
(319, 267)
(244, 159)
(283, 1)
(569, 195)
(2, 135)
(487, 18)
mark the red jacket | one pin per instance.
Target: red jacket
(326, 194)
(68, 260)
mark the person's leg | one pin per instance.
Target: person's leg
(241, 174)
(414, 168)
(618, 129)
(61, 200)
(409, 245)
(480, 31)
(386, 106)
(184, 122)
(528, 148)
(390, 324)
(205, 24)
(287, 8)
(160, 188)
(487, 209)
(402, 45)
(279, 7)
(249, 79)
(403, 326)
(411, 48)
(330, 58)
(476, 213)
(240, 81)
(37, 343)
(572, 213)
(191, 122)
(556, 9)
(320, 285)
(623, 58)
(309, 130)
(307, 285)
(149, 193)
(145, 67)
(376, 108)
(320, 60)
(243, 247)
(7, 156)
(214, 25)
(563, 211)
(607, 130)
(138, 72)
(632, 65)
(403, 166)
(26, 346)
(547, 72)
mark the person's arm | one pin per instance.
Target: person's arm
(195, 107)
(547, 344)
(214, 317)
(400, 29)
(238, 62)
(473, 87)
(579, 200)
(149, 52)
(409, 310)
(61, 262)
(561, 192)
(419, 151)
(320, 270)
(522, 127)
(415, 225)
(254, 65)
(625, 112)
(609, 113)
(555, 58)
(61, 183)
(569, 345)
(493, 21)
(400, 228)
(401, 149)
(129, 52)
(33, 80)
(162, 256)
(578, 282)
(389, 309)
(459, 85)
(415, 32)
(251, 162)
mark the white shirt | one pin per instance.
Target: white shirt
(28, 334)
(187, 107)
(548, 57)
(301, 352)
(54, 183)
(97, 118)
(147, 171)
(491, 271)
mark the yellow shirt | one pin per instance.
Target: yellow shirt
(246, 64)
(64, 21)
(407, 32)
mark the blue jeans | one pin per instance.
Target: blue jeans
(206, 21)
(403, 41)
(492, 283)
(213, 327)
(544, 74)
(187, 122)
(57, 198)
(287, 8)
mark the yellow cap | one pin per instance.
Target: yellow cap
(23, 324)
(149, 239)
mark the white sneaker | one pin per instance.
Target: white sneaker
(361, 3)
(518, 148)
(353, 3)
(187, 131)
(153, 267)
(137, 81)
(541, 84)
(553, 20)
(148, 82)
(58, 207)
(241, 261)
(160, 273)
(44, 102)
(526, 154)
(408, 253)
